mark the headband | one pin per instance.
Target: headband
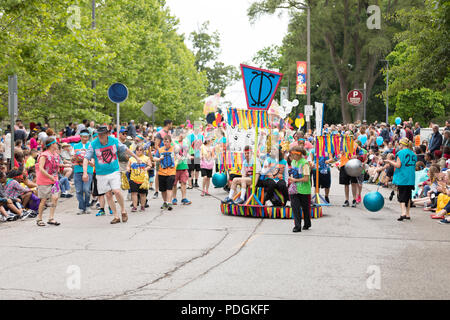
(49, 144)
(296, 152)
(140, 137)
(404, 143)
(84, 134)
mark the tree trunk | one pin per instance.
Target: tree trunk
(346, 117)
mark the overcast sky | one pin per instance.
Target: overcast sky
(240, 40)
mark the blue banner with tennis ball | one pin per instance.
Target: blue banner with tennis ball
(260, 86)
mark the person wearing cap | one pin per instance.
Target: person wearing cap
(83, 189)
(131, 129)
(66, 157)
(104, 150)
(404, 175)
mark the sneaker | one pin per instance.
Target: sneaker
(142, 209)
(185, 201)
(24, 215)
(97, 205)
(146, 204)
(3, 219)
(63, 195)
(155, 196)
(174, 201)
(358, 199)
(327, 199)
(101, 212)
(92, 203)
(239, 201)
(87, 211)
(297, 229)
(110, 211)
(32, 214)
(228, 200)
(196, 185)
(12, 217)
(444, 221)
(346, 204)
(354, 203)
(164, 206)
(68, 195)
(169, 207)
(133, 209)
(80, 212)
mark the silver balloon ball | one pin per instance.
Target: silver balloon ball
(354, 168)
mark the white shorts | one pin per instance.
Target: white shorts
(108, 182)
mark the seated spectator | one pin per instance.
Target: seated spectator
(12, 204)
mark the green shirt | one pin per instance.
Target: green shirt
(182, 156)
(303, 165)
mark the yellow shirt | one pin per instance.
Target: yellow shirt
(138, 174)
(30, 162)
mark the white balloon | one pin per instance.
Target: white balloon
(295, 103)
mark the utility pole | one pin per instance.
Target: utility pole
(365, 101)
(308, 58)
(13, 111)
(93, 28)
(387, 89)
(387, 92)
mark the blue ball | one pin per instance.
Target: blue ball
(219, 180)
(373, 201)
(398, 120)
(379, 140)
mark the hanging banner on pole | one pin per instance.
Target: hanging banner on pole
(301, 77)
(260, 86)
(283, 95)
(319, 117)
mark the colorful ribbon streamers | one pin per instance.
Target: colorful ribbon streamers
(247, 119)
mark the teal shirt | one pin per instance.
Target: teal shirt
(406, 174)
(105, 156)
(78, 148)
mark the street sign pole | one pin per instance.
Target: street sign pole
(153, 116)
(13, 110)
(118, 120)
(118, 93)
(365, 99)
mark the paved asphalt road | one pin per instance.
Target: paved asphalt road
(195, 252)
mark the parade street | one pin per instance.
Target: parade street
(195, 252)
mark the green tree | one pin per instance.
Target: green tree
(135, 42)
(420, 104)
(344, 54)
(420, 62)
(268, 58)
(206, 49)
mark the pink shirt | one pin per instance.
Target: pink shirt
(51, 165)
(33, 143)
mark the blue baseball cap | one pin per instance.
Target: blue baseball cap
(123, 130)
